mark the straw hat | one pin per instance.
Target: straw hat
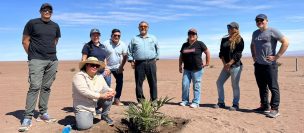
(92, 60)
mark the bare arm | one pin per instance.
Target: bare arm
(282, 50)
(207, 53)
(84, 57)
(56, 41)
(26, 42)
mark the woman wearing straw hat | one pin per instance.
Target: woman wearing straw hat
(90, 90)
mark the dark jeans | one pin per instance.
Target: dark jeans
(146, 68)
(267, 76)
(119, 83)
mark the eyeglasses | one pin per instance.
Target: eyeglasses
(143, 26)
(191, 33)
(47, 10)
(116, 35)
(94, 65)
(259, 20)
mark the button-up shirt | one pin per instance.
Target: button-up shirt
(141, 48)
(118, 51)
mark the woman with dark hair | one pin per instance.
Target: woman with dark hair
(90, 91)
(191, 57)
(232, 46)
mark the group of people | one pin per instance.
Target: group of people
(91, 86)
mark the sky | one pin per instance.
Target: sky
(169, 21)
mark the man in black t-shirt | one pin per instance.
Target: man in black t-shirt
(40, 37)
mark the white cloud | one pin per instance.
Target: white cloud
(296, 18)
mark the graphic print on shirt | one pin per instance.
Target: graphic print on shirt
(187, 51)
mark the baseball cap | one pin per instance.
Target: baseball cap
(233, 25)
(94, 31)
(192, 30)
(45, 5)
(261, 16)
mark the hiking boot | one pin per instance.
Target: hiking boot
(234, 107)
(262, 109)
(46, 118)
(194, 105)
(184, 104)
(219, 105)
(26, 124)
(273, 114)
(107, 119)
(117, 102)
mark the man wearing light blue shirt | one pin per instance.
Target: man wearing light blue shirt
(116, 61)
(143, 51)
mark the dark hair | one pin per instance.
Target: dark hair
(115, 30)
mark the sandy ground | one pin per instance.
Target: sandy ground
(14, 86)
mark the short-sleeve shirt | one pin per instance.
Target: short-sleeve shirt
(265, 43)
(192, 55)
(42, 39)
(100, 52)
(118, 51)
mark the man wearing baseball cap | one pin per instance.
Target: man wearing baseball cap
(40, 38)
(263, 50)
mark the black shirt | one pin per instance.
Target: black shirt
(228, 54)
(42, 42)
(100, 52)
(192, 55)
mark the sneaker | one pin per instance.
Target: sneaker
(184, 103)
(107, 119)
(117, 102)
(234, 107)
(262, 109)
(194, 105)
(46, 118)
(25, 126)
(273, 114)
(219, 105)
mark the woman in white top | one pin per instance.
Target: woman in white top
(90, 91)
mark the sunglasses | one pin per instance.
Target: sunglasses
(259, 20)
(191, 33)
(94, 65)
(46, 10)
(143, 27)
(116, 35)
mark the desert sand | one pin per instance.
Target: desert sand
(14, 86)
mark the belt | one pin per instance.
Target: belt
(147, 60)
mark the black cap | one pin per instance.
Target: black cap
(261, 16)
(234, 25)
(46, 5)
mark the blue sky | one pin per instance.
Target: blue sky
(169, 21)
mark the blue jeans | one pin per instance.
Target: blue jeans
(196, 77)
(107, 78)
(235, 73)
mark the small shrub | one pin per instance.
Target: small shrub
(72, 69)
(147, 118)
(279, 64)
(211, 66)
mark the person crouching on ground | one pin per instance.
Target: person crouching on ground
(91, 90)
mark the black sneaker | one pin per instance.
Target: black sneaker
(262, 109)
(273, 114)
(234, 107)
(107, 119)
(219, 105)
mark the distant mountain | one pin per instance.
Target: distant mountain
(295, 53)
